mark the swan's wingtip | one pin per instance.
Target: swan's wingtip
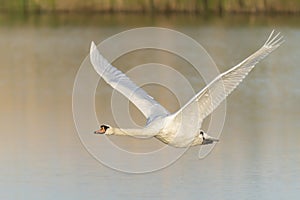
(93, 46)
(274, 40)
(93, 43)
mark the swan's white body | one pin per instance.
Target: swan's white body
(182, 128)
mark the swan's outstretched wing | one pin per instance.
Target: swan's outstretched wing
(216, 91)
(119, 81)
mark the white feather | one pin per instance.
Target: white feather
(182, 128)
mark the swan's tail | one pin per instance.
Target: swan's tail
(208, 139)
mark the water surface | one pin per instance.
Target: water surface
(41, 156)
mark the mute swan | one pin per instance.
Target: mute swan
(180, 128)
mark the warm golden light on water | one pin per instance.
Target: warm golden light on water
(42, 157)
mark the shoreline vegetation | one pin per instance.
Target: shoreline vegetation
(218, 7)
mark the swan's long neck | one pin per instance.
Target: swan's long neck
(134, 132)
(117, 131)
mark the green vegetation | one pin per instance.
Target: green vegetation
(153, 6)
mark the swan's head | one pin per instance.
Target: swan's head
(104, 129)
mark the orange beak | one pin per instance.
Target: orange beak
(100, 131)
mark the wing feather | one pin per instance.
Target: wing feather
(119, 81)
(215, 92)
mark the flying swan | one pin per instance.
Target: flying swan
(182, 128)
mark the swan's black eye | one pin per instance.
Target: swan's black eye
(201, 132)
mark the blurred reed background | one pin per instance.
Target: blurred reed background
(153, 6)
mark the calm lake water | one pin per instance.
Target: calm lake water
(41, 156)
